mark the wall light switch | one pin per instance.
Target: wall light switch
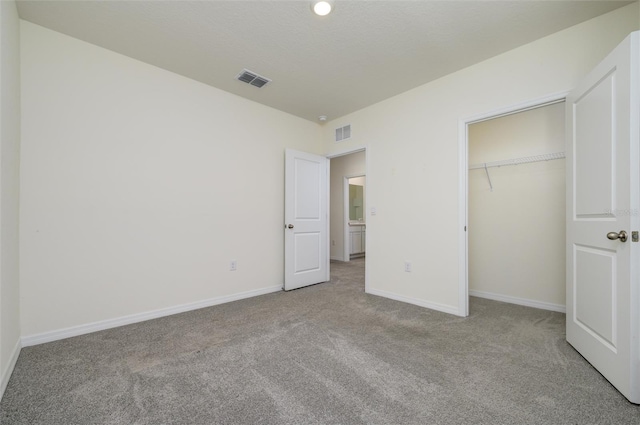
(374, 211)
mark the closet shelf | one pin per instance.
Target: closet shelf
(517, 161)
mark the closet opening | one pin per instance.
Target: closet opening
(516, 207)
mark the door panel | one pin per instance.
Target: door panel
(307, 250)
(308, 196)
(306, 223)
(594, 128)
(594, 297)
(603, 183)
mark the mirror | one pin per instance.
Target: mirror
(356, 199)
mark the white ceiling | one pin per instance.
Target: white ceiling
(362, 53)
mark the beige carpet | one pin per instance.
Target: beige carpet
(327, 354)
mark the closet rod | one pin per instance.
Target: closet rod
(516, 161)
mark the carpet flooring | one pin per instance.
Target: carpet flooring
(326, 354)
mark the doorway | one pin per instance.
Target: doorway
(354, 217)
(348, 210)
(512, 200)
(517, 190)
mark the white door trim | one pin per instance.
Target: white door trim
(463, 180)
(348, 151)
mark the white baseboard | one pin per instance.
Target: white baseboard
(6, 374)
(415, 301)
(520, 301)
(139, 317)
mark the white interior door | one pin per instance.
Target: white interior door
(306, 240)
(603, 294)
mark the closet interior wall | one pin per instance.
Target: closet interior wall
(517, 227)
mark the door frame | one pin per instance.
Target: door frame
(344, 152)
(463, 179)
(345, 200)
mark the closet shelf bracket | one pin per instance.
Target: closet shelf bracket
(486, 170)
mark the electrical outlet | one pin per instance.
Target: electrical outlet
(233, 265)
(374, 211)
(333, 242)
(407, 266)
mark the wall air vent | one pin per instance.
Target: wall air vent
(252, 78)
(343, 133)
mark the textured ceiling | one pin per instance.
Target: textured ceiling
(362, 53)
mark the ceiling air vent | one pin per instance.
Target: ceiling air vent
(343, 133)
(252, 78)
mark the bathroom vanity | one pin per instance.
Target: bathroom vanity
(357, 237)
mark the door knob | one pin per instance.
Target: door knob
(291, 227)
(622, 235)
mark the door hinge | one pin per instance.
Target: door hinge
(635, 236)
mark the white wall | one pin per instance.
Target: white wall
(347, 165)
(357, 181)
(139, 186)
(9, 189)
(412, 140)
(517, 231)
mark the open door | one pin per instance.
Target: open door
(603, 183)
(306, 241)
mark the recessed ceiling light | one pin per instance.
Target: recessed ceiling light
(322, 8)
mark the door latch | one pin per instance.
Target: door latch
(635, 236)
